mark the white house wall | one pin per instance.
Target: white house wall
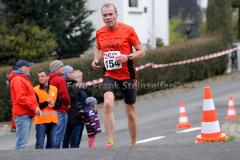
(96, 17)
(151, 24)
(139, 20)
(162, 20)
(148, 25)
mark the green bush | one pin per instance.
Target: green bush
(219, 14)
(25, 41)
(175, 31)
(149, 79)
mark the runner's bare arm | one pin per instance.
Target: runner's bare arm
(97, 57)
(138, 54)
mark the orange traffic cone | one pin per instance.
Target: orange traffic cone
(210, 131)
(183, 119)
(231, 114)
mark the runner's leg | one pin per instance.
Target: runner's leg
(132, 123)
(129, 91)
(109, 120)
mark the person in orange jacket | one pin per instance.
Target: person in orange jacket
(46, 122)
(24, 102)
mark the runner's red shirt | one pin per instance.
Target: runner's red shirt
(114, 42)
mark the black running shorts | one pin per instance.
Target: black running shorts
(127, 87)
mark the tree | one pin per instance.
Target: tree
(25, 41)
(236, 28)
(219, 19)
(65, 18)
(175, 33)
(186, 10)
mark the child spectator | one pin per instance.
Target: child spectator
(91, 120)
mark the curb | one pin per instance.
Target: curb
(232, 128)
(4, 130)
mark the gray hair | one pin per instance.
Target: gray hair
(106, 5)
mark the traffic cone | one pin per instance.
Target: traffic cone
(210, 131)
(183, 119)
(231, 114)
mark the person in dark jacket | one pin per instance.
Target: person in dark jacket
(75, 125)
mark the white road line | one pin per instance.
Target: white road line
(189, 130)
(150, 139)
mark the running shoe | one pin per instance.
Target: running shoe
(110, 144)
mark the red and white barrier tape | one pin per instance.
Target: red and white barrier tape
(94, 82)
(188, 61)
(197, 59)
(143, 66)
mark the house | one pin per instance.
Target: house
(148, 17)
(203, 4)
(2, 6)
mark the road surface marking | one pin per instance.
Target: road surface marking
(189, 130)
(150, 139)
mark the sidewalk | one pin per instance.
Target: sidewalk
(5, 129)
(232, 128)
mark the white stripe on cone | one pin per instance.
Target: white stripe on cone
(182, 110)
(231, 103)
(210, 127)
(231, 112)
(208, 105)
(183, 119)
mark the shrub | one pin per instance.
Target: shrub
(25, 42)
(219, 19)
(175, 31)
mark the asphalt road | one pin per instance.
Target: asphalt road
(158, 137)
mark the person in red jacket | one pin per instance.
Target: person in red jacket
(13, 126)
(24, 102)
(55, 79)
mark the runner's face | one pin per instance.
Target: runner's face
(109, 16)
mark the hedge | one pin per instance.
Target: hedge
(149, 79)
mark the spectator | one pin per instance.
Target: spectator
(13, 126)
(46, 123)
(75, 125)
(55, 79)
(91, 120)
(24, 102)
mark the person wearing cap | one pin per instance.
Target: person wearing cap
(55, 79)
(75, 125)
(24, 102)
(91, 120)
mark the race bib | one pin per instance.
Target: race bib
(110, 61)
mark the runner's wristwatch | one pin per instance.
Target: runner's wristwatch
(130, 57)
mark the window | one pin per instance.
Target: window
(133, 3)
(135, 6)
